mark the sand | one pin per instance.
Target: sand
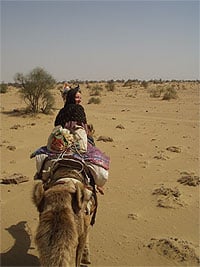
(149, 215)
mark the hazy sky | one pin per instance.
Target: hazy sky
(97, 40)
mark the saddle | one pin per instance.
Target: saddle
(54, 170)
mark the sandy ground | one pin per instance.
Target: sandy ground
(146, 217)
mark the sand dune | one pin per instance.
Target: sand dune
(149, 215)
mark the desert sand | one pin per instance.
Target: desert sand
(149, 215)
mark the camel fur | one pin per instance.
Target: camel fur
(63, 224)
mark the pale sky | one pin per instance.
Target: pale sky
(95, 40)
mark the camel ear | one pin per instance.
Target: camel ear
(38, 194)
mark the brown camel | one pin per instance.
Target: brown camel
(65, 216)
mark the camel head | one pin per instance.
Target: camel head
(77, 190)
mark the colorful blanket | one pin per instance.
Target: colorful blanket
(93, 155)
(97, 157)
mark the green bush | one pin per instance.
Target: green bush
(47, 103)
(3, 88)
(35, 90)
(94, 100)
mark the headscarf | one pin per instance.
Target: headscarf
(70, 97)
(71, 113)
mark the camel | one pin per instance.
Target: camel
(66, 208)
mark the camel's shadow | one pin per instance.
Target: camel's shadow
(18, 254)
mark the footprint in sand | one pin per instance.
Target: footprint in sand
(168, 197)
(176, 249)
(4, 142)
(132, 216)
(11, 148)
(174, 149)
(120, 126)
(15, 178)
(105, 139)
(161, 156)
(16, 126)
(189, 179)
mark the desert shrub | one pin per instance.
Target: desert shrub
(170, 93)
(110, 86)
(128, 83)
(35, 90)
(156, 91)
(88, 86)
(3, 88)
(94, 100)
(144, 84)
(47, 103)
(96, 90)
